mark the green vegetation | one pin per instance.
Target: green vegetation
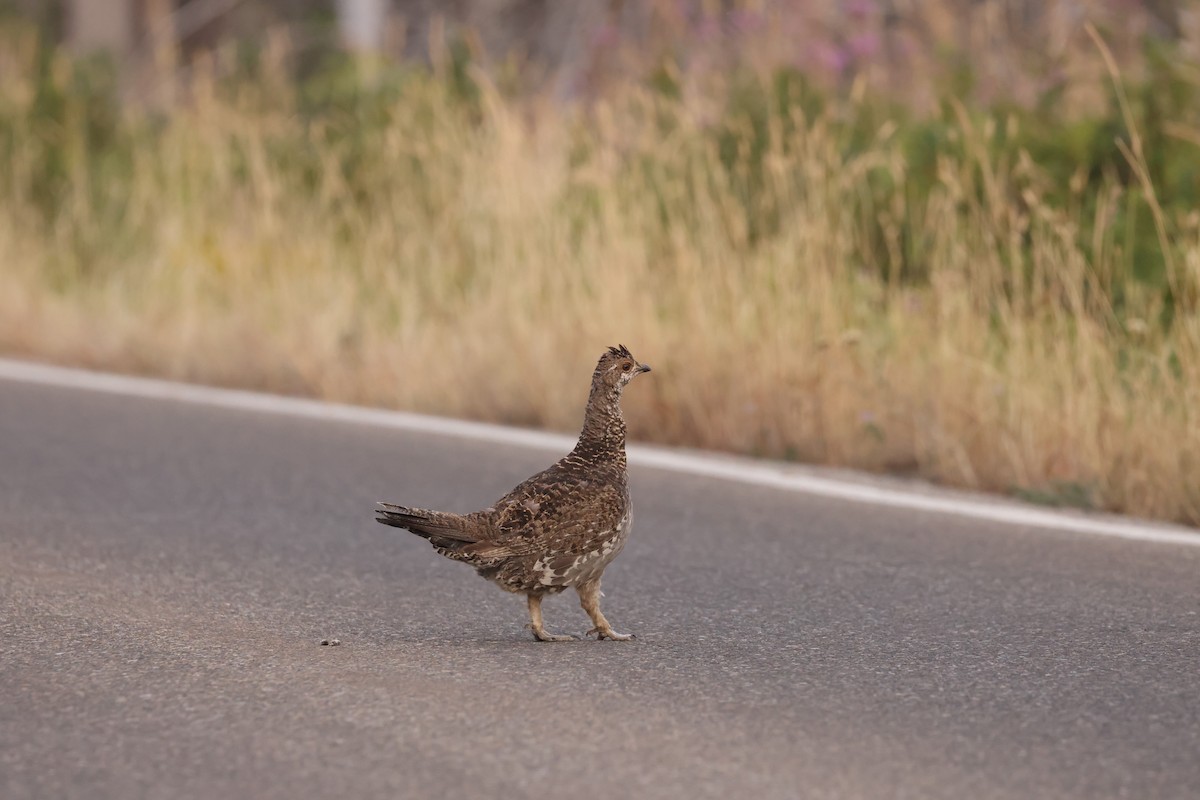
(1002, 298)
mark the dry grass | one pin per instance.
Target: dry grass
(480, 261)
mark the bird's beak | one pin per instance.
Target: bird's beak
(643, 368)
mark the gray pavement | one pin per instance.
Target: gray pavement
(167, 572)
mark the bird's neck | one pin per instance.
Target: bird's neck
(603, 434)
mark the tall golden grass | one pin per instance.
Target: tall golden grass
(474, 259)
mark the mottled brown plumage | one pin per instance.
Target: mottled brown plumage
(559, 528)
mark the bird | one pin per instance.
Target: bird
(558, 529)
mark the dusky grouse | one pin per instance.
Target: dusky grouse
(561, 527)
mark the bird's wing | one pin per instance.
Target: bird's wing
(556, 512)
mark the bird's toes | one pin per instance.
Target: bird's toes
(542, 635)
(609, 633)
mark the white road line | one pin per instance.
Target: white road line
(767, 474)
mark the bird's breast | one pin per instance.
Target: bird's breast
(591, 563)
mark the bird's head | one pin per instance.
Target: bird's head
(617, 368)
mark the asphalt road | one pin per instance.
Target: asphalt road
(167, 572)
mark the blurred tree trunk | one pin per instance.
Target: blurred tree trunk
(160, 53)
(362, 24)
(101, 25)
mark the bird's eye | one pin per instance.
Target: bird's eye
(626, 367)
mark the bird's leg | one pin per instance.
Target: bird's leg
(535, 622)
(589, 598)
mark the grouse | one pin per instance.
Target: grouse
(559, 528)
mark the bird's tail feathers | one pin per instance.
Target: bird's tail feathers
(437, 526)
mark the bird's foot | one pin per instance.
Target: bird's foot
(542, 636)
(609, 633)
